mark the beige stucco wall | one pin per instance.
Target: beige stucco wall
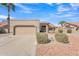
(35, 23)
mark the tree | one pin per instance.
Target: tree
(9, 5)
(62, 22)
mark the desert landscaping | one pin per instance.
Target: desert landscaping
(60, 49)
(40, 30)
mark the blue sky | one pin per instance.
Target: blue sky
(49, 12)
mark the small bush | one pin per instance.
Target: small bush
(69, 31)
(61, 37)
(60, 30)
(42, 38)
(2, 30)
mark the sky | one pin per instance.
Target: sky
(48, 12)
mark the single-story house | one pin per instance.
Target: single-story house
(29, 26)
(3, 27)
(3, 24)
(72, 25)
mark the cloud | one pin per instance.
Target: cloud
(24, 8)
(67, 15)
(50, 4)
(53, 15)
(4, 17)
(62, 9)
(74, 5)
(58, 3)
(21, 6)
(26, 11)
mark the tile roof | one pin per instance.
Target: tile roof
(73, 23)
(2, 24)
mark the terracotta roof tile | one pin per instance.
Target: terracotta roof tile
(75, 23)
(2, 24)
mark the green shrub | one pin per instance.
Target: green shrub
(2, 30)
(60, 30)
(42, 38)
(69, 31)
(61, 37)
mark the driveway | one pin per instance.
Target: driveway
(18, 45)
(3, 35)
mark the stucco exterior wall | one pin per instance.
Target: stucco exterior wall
(35, 23)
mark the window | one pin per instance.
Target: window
(43, 29)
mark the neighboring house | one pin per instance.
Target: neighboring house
(72, 25)
(29, 26)
(3, 27)
(2, 24)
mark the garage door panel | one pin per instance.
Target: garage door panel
(25, 30)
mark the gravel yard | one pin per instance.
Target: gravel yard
(60, 49)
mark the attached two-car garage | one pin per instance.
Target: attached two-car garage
(24, 30)
(22, 44)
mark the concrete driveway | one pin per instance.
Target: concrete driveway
(18, 45)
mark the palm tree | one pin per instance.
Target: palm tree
(62, 22)
(8, 5)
